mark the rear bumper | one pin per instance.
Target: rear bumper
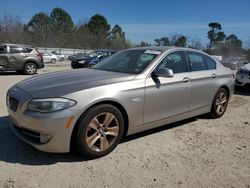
(41, 65)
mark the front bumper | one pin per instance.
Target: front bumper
(76, 65)
(242, 80)
(31, 127)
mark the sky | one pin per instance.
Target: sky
(146, 19)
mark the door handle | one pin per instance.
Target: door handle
(186, 79)
(214, 75)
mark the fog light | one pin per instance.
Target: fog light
(44, 138)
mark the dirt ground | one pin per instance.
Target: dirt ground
(198, 152)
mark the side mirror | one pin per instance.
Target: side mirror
(163, 72)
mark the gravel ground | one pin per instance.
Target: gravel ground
(198, 152)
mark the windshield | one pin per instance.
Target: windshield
(92, 54)
(129, 61)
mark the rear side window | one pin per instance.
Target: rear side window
(3, 49)
(211, 64)
(175, 61)
(14, 49)
(28, 50)
(197, 62)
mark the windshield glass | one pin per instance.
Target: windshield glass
(129, 61)
(92, 54)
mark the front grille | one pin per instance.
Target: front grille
(238, 82)
(30, 135)
(247, 85)
(13, 103)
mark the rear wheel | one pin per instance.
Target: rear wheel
(220, 103)
(53, 61)
(100, 131)
(30, 68)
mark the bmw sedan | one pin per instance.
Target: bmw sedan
(137, 89)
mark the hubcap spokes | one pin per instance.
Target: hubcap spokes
(102, 131)
(221, 103)
(31, 68)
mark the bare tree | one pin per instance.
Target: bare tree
(195, 43)
(11, 29)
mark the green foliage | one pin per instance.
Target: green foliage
(62, 27)
(164, 41)
(181, 41)
(215, 35)
(98, 25)
(144, 44)
(117, 38)
(39, 22)
(233, 42)
(38, 28)
(157, 42)
(61, 20)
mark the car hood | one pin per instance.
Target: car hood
(246, 66)
(61, 83)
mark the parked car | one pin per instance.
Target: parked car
(60, 56)
(89, 60)
(71, 57)
(132, 91)
(243, 76)
(234, 63)
(20, 58)
(49, 58)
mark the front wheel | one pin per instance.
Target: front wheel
(30, 68)
(53, 61)
(220, 103)
(100, 130)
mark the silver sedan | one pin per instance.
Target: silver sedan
(90, 110)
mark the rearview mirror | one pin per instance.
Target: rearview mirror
(163, 72)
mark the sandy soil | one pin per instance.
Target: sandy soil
(198, 152)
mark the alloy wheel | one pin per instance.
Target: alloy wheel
(102, 132)
(31, 69)
(221, 102)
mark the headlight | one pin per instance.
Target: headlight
(82, 62)
(242, 71)
(50, 104)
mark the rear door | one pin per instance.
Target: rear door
(16, 57)
(204, 76)
(46, 57)
(3, 57)
(167, 97)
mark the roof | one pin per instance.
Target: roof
(165, 48)
(21, 45)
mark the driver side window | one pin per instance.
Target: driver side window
(175, 61)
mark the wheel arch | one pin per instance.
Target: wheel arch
(114, 103)
(30, 61)
(227, 89)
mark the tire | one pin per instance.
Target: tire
(94, 137)
(30, 68)
(220, 103)
(53, 61)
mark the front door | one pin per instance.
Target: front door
(168, 97)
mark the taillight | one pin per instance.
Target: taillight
(40, 55)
